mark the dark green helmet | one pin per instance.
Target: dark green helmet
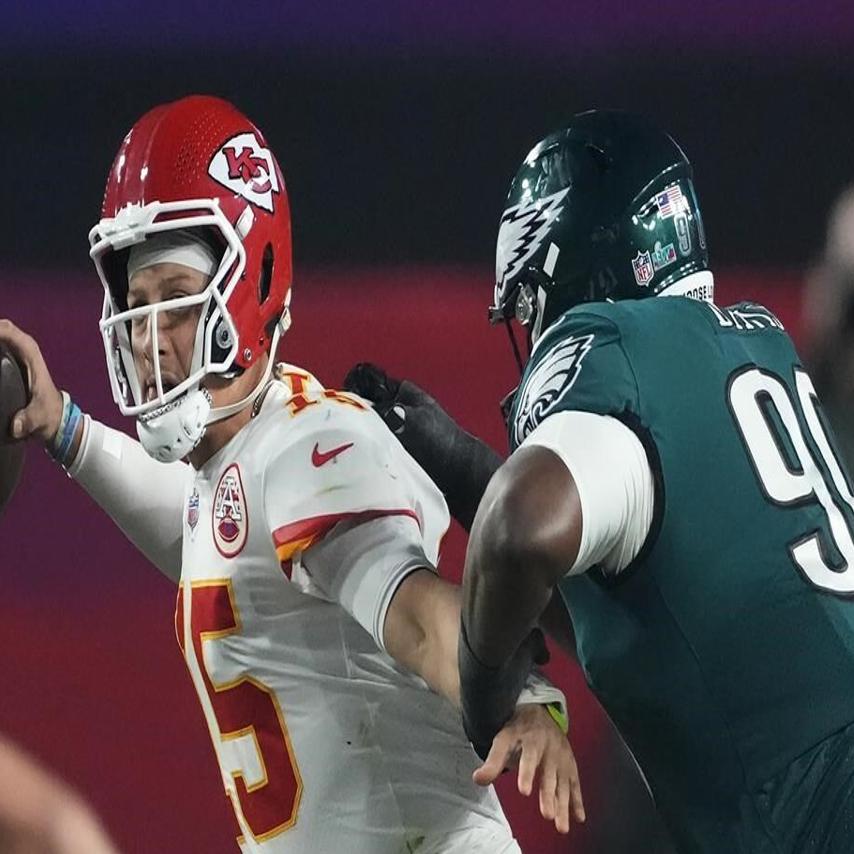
(604, 209)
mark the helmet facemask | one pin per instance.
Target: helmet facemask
(216, 339)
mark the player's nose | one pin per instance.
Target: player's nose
(149, 340)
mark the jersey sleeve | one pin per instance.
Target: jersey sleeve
(614, 481)
(360, 565)
(346, 504)
(143, 497)
(579, 364)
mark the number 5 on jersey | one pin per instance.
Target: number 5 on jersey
(248, 726)
(754, 396)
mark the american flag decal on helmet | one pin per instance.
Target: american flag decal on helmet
(671, 202)
(549, 381)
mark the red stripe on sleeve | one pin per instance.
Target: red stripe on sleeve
(298, 536)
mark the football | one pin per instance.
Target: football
(13, 397)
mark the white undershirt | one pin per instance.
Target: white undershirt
(614, 482)
(144, 498)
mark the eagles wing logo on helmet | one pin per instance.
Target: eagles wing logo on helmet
(243, 165)
(548, 382)
(521, 233)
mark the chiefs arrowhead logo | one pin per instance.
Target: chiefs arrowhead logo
(243, 165)
(230, 521)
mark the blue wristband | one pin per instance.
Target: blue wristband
(56, 441)
(63, 440)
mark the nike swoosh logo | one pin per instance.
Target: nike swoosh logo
(319, 458)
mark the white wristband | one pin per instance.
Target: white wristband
(538, 691)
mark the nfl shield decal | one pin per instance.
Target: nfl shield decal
(229, 518)
(643, 269)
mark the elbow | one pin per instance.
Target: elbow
(509, 537)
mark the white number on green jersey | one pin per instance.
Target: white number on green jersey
(750, 395)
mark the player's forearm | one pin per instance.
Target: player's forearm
(143, 497)
(524, 539)
(555, 622)
(497, 646)
(462, 471)
(440, 663)
(504, 598)
(422, 631)
(458, 463)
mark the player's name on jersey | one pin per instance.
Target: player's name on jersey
(746, 317)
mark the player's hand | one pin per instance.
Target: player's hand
(400, 403)
(41, 417)
(74, 829)
(532, 740)
(460, 464)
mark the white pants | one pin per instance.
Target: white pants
(474, 841)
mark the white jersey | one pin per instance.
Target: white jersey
(296, 536)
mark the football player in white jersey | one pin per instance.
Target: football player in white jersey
(303, 539)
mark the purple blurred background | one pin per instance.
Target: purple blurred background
(549, 27)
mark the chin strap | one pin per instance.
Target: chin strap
(171, 432)
(221, 412)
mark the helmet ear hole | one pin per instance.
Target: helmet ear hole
(266, 276)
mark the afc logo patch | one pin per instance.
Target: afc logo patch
(548, 382)
(193, 511)
(243, 165)
(229, 518)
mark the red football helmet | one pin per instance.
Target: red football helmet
(196, 163)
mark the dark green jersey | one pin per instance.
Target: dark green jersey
(725, 651)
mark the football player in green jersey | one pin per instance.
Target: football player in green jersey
(673, 479)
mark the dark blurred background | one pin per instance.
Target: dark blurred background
(399, 124)
(398, 127)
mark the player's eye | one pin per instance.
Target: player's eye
(181, 312)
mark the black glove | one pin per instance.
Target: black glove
(488, 695)
(460, 464)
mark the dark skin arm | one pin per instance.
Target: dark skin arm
(524, 539)
(526, 535)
